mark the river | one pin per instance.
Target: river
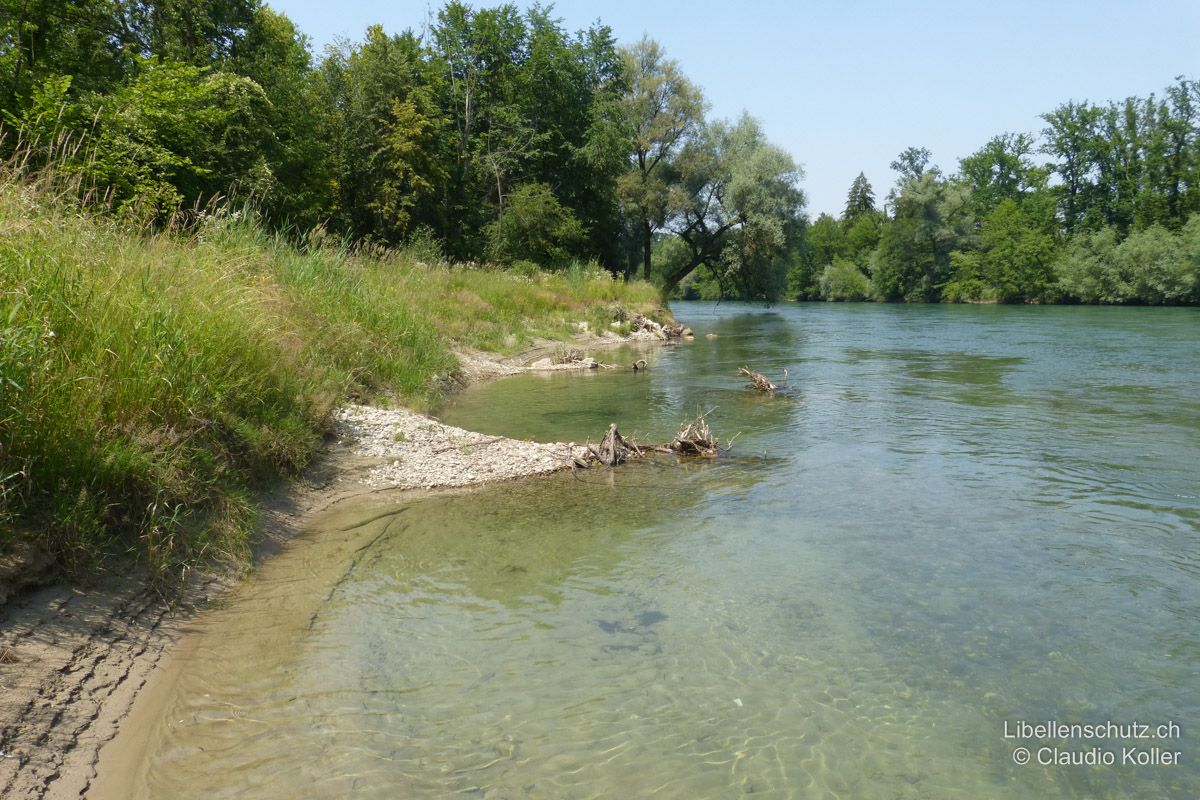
(950, 521)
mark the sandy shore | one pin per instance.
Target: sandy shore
(73, 659)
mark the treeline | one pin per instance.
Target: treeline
(1100, 208)
(489, 134)
(496, 135)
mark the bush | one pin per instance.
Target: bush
(842, 280)
(1153, 269)
(1152, 266)
(534, 226)
(967, 284)
(1087, 270)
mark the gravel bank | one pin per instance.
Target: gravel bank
(415, 451)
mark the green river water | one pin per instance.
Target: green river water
(950, 521)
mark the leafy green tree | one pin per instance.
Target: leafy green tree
(1180, 134)
(802, 272)
(933, 218)
(968, 282)
(79, 39)
(1189, 251)
(826, 240)
(390, 143)
(737, 200)
(569, 93)
(274, 54)
(862, 236)
(47, 116)
(412, 173)
(1071, 138)
(861, 227)
(475, 66)
(664, 110)
(521, 102)
(912, 164)
(197, 32)
(1152, 266)
(1002, 170)
(178, 135)
(1015, 260)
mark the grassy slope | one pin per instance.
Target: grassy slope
(148, 385)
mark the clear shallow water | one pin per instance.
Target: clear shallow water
(952, 519)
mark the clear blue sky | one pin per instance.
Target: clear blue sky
(845, 86)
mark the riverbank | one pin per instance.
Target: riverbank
(77, 657)
(152, 384)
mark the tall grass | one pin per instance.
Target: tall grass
(150, 384)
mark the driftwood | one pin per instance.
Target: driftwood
(694, 439)
(757, 381)
(614, 448)
(570, 355)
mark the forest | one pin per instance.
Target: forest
(495, 135)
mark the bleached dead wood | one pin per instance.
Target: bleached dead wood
(757, 381)
(695, 438)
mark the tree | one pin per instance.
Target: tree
(826, 240)
(569, 93)
(664, 110)
(932, 219)
(412, 172)
(177, 135)
(736, 200)
(911, 164)
(196, 32)
(389, 141)
(861, 237)
(860, 200)
(862, 223)
(1000, 170)
(1181, 151)
(1154, 270)
(1071, 138)
(78, 39)
(274, 54)
(1087, 269)
(1017, 255)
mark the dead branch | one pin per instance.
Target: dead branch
(695, 438)
(757, 381)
